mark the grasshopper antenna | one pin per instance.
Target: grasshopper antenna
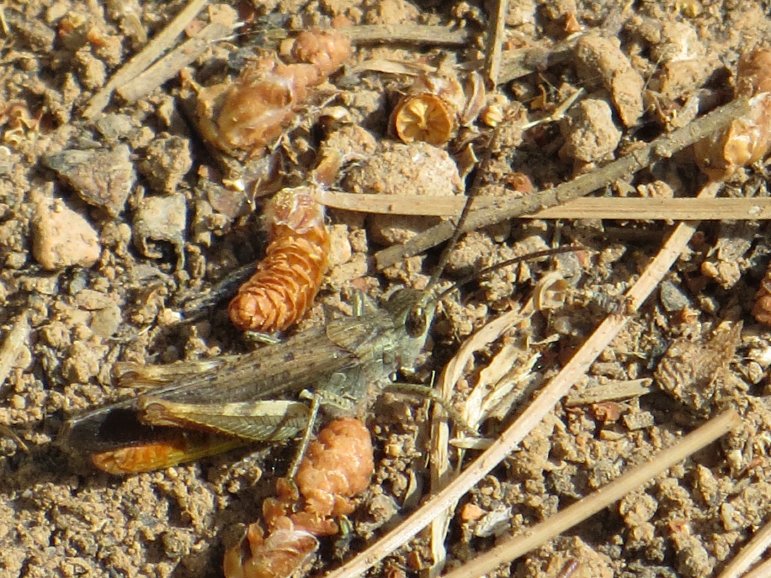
(476, 185)
(417, 317)
(513, 261)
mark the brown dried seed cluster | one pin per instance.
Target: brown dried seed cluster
(747, 139)
(287, 280)
(337, 467)
(252, 112)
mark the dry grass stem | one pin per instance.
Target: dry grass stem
(760, 571)
(590, 505)
(157, 46)
(440, 438)
(749, 554)
(496, 32)
(174, 61)
(542, 405)
(650, 208)
(406, 33)
(661, 148)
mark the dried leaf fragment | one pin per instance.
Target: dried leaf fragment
(692, 372)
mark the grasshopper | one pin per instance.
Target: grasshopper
(254, 396)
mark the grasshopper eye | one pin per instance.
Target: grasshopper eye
(417, 321)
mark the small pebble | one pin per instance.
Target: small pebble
(400, 169)
(589, 132)
(102, 178)
(601, 58)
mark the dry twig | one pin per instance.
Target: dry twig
(495, 34)
(181, 56)
(749, 554)
(440, 438)
(406, 33)
(760, 571)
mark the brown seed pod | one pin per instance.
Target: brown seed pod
(423, 117)
(252, 112)
(761, 310)
(747, 139)
(286, 281)
(336, 468)
(435, 106)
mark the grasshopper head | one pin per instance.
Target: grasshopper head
(414, 311)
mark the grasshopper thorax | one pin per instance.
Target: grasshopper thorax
(412, 312)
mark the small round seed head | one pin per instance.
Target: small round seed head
(423, 117)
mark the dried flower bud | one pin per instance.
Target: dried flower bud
(762, 308)
(279, 555)
(435, 106)
(252, 112)
(423, 117)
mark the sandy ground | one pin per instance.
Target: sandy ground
(111, 228)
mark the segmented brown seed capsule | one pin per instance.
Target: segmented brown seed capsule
(336, 468)
(338, 465)
(287, 280)
(747, 139)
